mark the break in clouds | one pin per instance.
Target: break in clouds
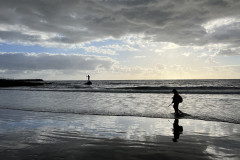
(57, 22)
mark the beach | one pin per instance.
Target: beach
(119, 80)
(43, 135)
(120, 120)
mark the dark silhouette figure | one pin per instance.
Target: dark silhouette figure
(88, 82)
(177, 130)
(176, 100)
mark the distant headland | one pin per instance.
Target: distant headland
(20, 82)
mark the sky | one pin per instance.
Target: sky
(120, 39)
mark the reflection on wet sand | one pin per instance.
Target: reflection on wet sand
(42, 135)
(177, 130)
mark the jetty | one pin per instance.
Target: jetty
(20, 82)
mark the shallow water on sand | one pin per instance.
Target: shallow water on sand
(43, 135)
(213, 107)
(120, 120)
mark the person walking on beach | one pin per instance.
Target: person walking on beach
(176, 100)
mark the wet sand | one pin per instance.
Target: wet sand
(39, 135)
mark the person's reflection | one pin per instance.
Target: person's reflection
(177, 130)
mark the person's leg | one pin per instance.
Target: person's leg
(175, 106)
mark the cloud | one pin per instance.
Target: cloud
(182, 32)
(186, 54)
(71, 22)
(156, 72)
(224, 71)
(229, 52)
(139, 57)
(45, 61)
(226, 30)
(93, 49)
(118, 47)
(227, 68)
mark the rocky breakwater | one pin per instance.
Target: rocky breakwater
(20, 82)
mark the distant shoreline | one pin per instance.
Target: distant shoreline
(20, 82)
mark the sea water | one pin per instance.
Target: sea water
(212, 100)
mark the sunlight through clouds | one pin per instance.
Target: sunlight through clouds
(137, 35)
(212, 25)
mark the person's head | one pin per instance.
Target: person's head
(175, 91)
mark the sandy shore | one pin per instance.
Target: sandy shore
(37, 135)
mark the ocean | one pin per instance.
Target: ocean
(120, 120)
(210, 100)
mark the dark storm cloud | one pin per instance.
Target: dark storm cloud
(44, 61)
(229, 52)
(17, 36)
(226, 34)
(73, 21)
